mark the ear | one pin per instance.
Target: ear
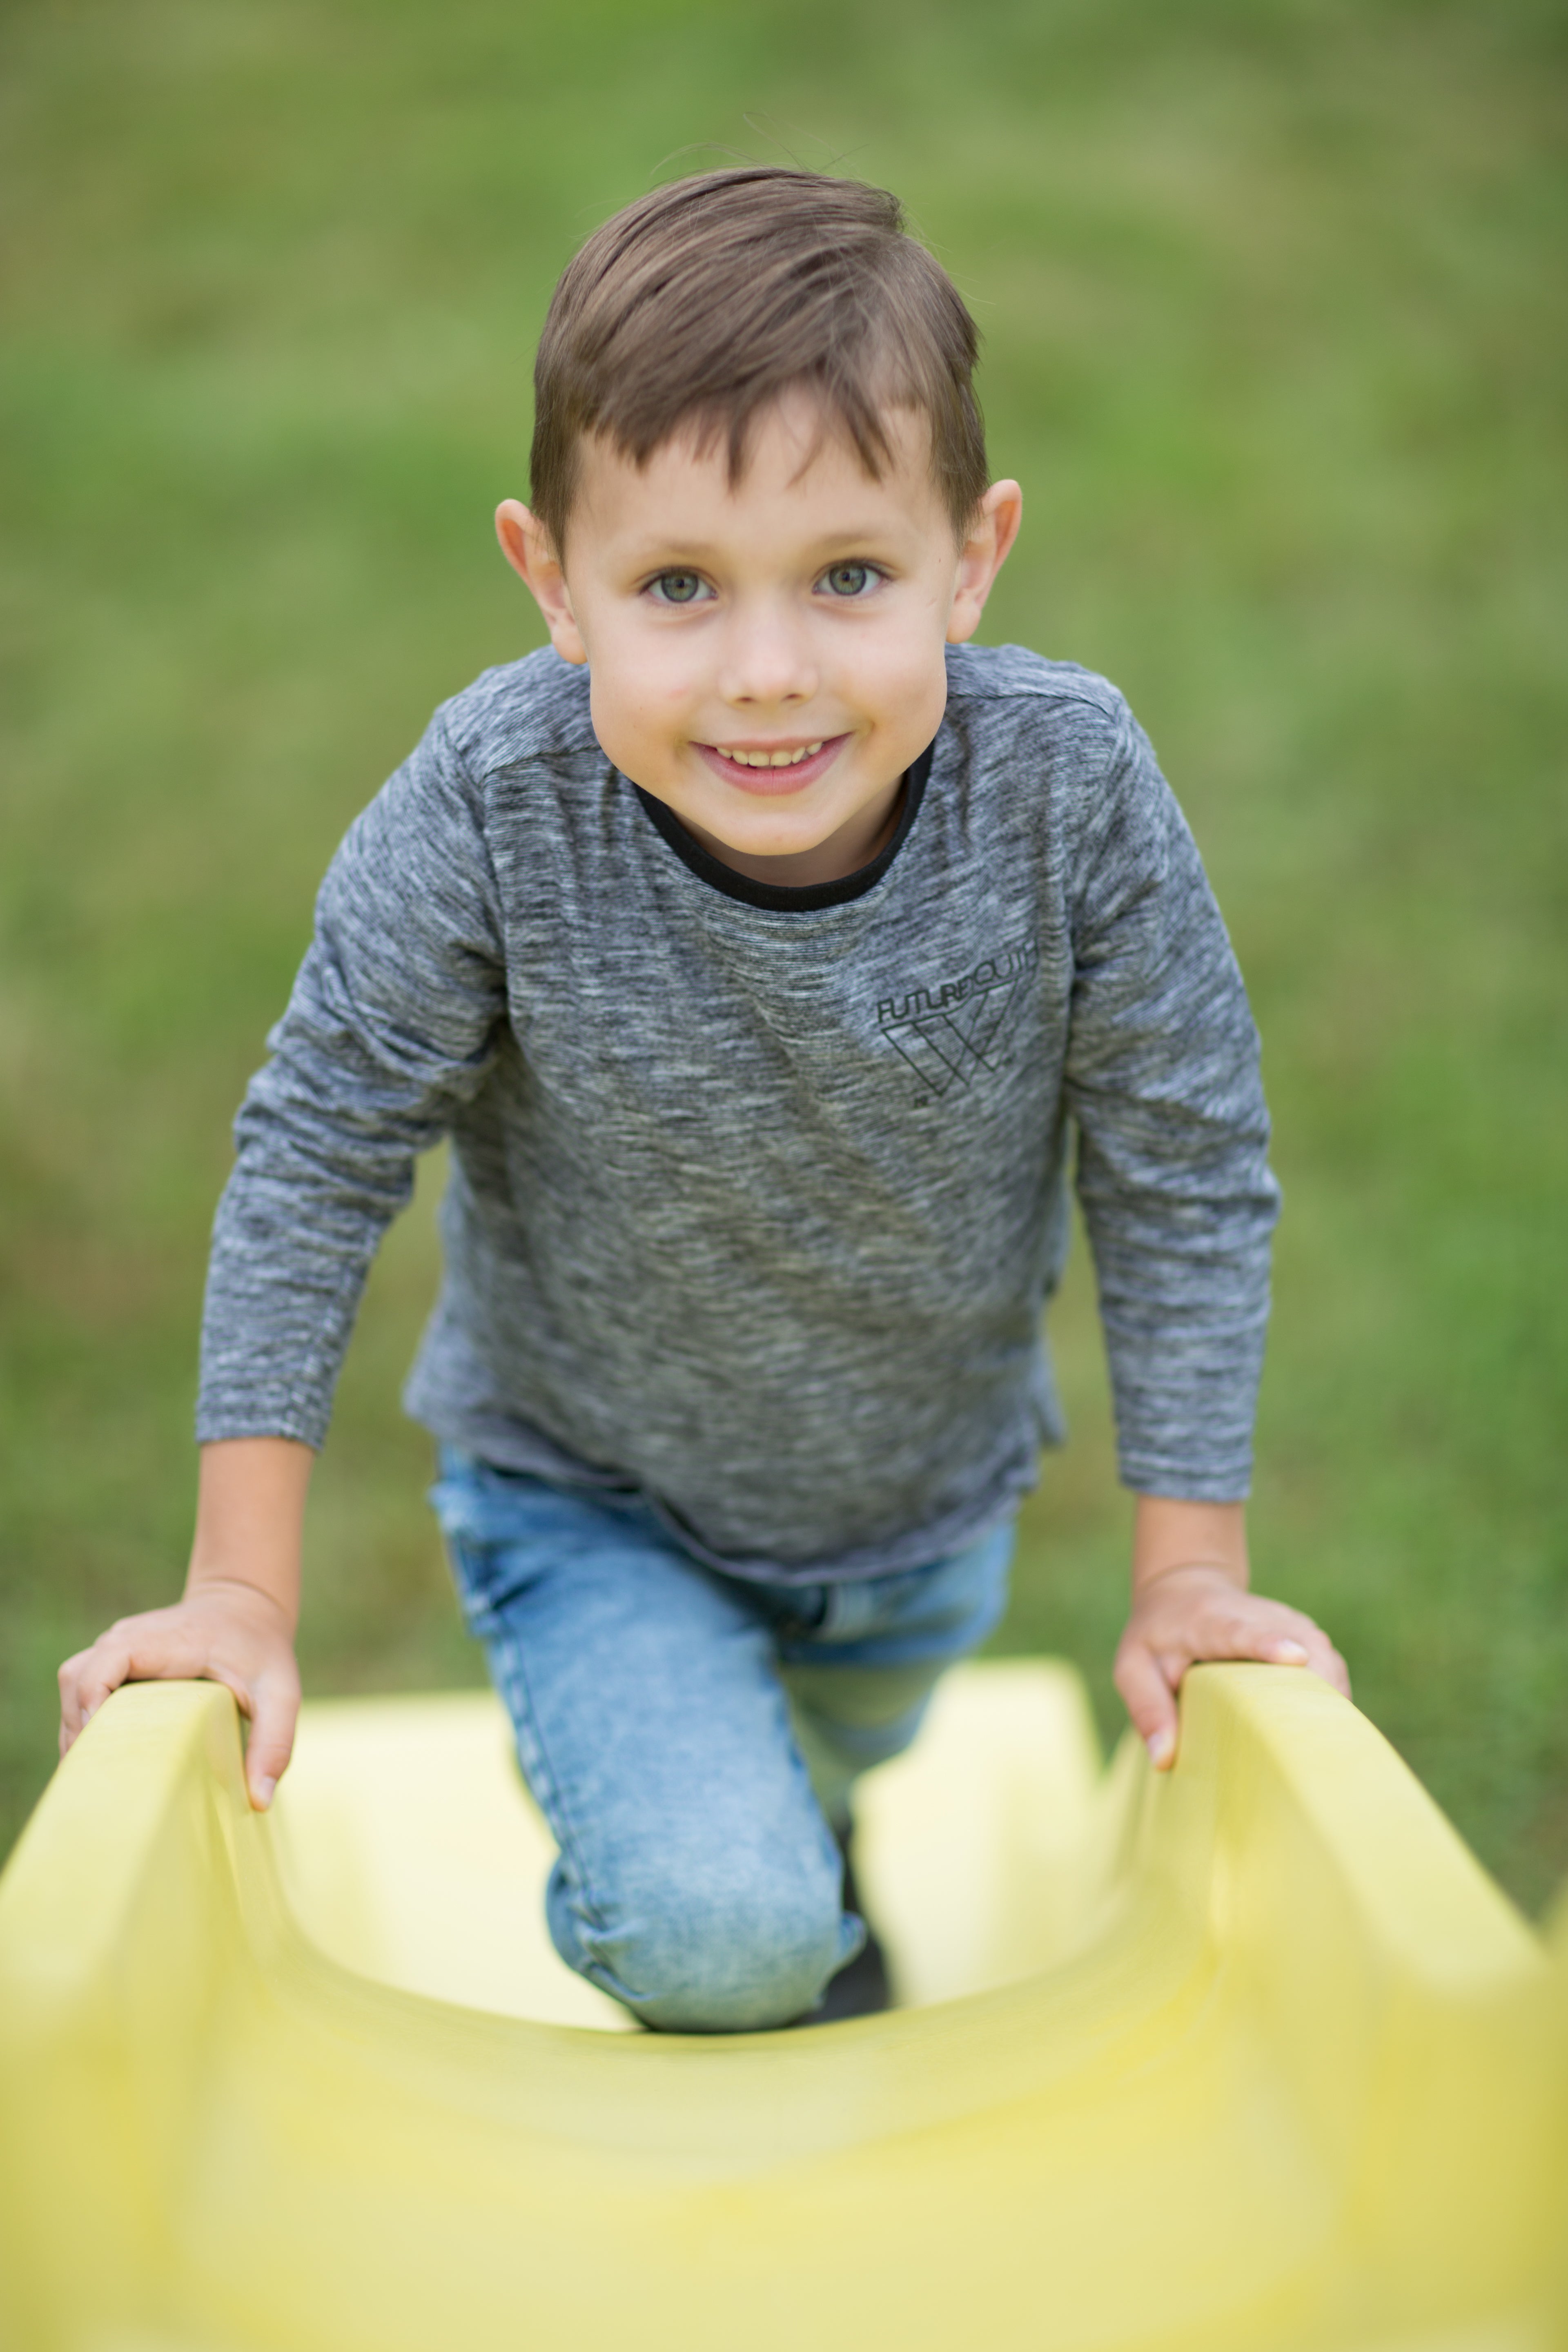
(529, 549)
(982, 556)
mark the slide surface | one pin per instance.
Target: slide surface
(1253, 2056)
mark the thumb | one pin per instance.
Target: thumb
(275, 1709)
(1149, 1700)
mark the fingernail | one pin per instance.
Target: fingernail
(1290, 1654)
(263, 1792)
(1161, 1746)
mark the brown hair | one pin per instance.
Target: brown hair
(702, 302)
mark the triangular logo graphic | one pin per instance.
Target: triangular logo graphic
(949, 1035)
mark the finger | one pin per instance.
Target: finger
(70, 1700)
(273, 1711)
(1313, 1642)
(271, 1705)
(1313, 1647)
(69, 1679)
(1260, 1630)
(85, 1682)
(1147, 1695)
(1172, 1664)
(1266, 1631)
(1325, 1660)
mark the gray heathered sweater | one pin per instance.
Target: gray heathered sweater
(757, 1194)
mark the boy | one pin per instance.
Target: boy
(755, 946)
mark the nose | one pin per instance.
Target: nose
(767, 656)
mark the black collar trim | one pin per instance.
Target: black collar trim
(778, 898)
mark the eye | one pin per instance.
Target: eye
(849, 580)
(678, 588)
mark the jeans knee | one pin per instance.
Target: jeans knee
(743, 1965)
(692, 1954)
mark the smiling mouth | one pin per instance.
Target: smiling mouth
(771, 768)
(790, 759)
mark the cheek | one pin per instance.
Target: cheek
(638, 698)
(902, 677)
(649, 672)
(626, 674)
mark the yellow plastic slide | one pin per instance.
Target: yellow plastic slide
(1254, 2056)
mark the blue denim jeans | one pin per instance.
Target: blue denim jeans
(691, 1738)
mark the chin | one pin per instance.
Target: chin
(785, 837)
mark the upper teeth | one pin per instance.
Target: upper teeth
(770, 759)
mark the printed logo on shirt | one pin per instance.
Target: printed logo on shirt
(950, 1033)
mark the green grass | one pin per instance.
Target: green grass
(1273, 301)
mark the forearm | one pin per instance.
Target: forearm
(250, 1516)
(297, 1228)
(1168, 1533)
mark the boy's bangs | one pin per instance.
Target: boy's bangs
(847, 409)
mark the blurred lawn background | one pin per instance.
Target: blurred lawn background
(1273, 295)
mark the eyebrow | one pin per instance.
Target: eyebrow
(697, 552)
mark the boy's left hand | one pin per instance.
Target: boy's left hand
(1188, 1610)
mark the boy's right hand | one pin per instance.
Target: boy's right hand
(224, 1631)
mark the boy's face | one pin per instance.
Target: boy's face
(767, 656)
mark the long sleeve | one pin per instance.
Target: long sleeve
(1162, 1079)
(392, 1022)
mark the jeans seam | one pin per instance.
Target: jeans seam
(568, 1840)
(525, 1725)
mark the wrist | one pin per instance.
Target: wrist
(258, 1599)
(1173, 1538)
(1195, 1566)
